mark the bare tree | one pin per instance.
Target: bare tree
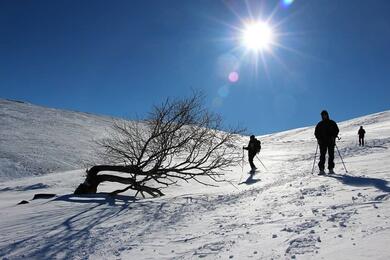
(179, 140)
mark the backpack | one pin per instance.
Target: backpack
(257, 146)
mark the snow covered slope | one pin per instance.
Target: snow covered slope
(284, 212)
(36, 140)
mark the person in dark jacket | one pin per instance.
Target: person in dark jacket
(253, 148)
(361, 134)
(326, 132)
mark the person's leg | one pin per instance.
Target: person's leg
(363, 141)
(360, 141)
(321, 164)
(331, 156)
(250, 159)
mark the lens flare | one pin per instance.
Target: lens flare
(286, 3)
(233, 77)
(226, 63)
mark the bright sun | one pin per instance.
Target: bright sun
(257, 36)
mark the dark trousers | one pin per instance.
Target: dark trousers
(250, 159)
(361, 140)
(323, 149)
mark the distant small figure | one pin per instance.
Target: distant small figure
(361, 134)
(326, 132)
(254, 147)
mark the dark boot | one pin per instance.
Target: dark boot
(322, 172)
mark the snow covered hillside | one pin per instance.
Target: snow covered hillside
(36, 140)
(283, 212)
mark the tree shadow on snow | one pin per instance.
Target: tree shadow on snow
(250, 179)
(67, 233)
(361, 181)
(99, 198)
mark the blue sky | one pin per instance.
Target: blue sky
(121, 57)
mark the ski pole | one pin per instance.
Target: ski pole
(242, 160)
(314, 162)
(233, 185)
(242, 166)
(341, 159)
(261, 163)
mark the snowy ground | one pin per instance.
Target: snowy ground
(280, 213)
(36, 140)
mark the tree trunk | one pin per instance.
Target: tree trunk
(93, 180)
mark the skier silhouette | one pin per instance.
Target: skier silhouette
(253, 148)
(326, 132)
(361, 134)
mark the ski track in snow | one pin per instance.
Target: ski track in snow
(283, 213)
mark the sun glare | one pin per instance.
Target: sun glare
(257, 36)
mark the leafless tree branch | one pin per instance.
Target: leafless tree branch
(179, 140)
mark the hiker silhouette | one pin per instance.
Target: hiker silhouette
(361, 134)
(254, 147)
(326, 132)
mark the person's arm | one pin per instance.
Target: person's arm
(336, 130)
(316, 132)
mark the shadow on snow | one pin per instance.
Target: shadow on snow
(99, 198)
(26, 188)
(362, 181)
(66, 232)
(250, 179)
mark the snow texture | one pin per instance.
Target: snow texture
(284, 212)
(36, 140)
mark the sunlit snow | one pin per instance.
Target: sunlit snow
(280, 213)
